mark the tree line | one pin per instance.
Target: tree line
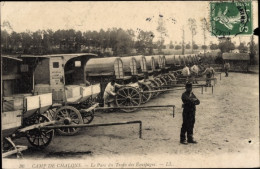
(70, 41)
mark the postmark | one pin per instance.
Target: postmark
(231, 18)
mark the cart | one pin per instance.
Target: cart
(63, 75)
(23, 121)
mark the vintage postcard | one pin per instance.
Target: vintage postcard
(129, 84)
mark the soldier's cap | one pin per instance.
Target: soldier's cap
(188, 85)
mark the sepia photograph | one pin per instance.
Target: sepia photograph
(130, 84)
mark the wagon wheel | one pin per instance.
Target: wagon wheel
(88, 116)
(68, 115)
(155, 86)
(146, 96)
(40, 138)
(172, 78)
(50, 113)
(159, 81)
(128, 96)
(164, 80)
(172, 75)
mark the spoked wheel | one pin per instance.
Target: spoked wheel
(172, 79)
(50, 113)
(164, 80)
(40, 138)
(68, 115)
(146, 96)
(155, 86)
(87, 116)
(160, 82)
(128, 96)
(172, 75)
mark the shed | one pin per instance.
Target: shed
(238, 61)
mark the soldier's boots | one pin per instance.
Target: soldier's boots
(192, 141)
(184, 142)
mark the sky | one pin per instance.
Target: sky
(85, 16)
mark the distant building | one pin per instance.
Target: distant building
(238, 61)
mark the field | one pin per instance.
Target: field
(226, 128)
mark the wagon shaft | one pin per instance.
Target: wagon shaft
(35, 126)
(96, 125)
(90, 108)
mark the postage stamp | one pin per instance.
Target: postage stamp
(231, 18)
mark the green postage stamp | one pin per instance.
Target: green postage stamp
(231, 18)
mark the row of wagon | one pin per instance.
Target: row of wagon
(67, 88)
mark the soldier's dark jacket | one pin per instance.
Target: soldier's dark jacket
(189, 102)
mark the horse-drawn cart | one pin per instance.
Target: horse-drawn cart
(27, 115)
(73, 97)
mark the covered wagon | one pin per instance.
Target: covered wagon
(104, 69)
(63, 75)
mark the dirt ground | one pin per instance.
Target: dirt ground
(226, 128)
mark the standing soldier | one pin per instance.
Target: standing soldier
(226, 67)
(185, 71)
(209, 74)
(189, 108)
(194, 73)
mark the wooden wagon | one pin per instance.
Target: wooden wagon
(173, 62)
(137, 68)
(64, 76)
(104, 69)
(24, 121)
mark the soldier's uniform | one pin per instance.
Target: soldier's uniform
(226, 67)
(189, 108)
(109, 94)
(209, 74)
(194, 73)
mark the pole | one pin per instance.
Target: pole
(131, 107)
(95, 125)
(164, 90)
(183, 49)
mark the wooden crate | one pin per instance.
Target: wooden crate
(72, 91)
(12, 104)
(10, 119)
